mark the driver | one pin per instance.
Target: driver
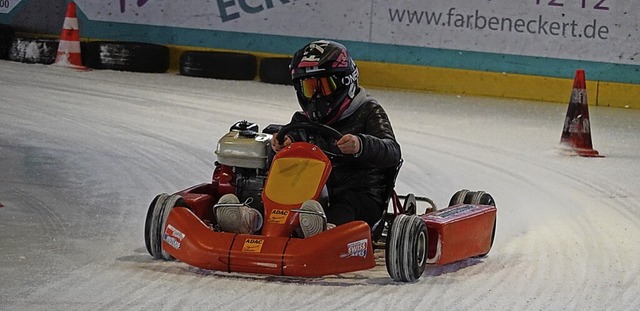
(325, 79)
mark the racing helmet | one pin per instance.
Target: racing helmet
(325, 78)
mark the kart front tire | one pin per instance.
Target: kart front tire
(155, 222)
(406, 248)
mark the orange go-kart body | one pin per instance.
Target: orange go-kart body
(298, 173)
(459, 232)
(183, 225)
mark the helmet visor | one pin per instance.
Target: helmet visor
(323, 86)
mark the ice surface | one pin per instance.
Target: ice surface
(82, 154)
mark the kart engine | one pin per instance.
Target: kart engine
(248, 153)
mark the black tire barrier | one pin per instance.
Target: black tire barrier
(33, 51)
(126, 56)
(218, 65)
(6, 38)
(276, 70)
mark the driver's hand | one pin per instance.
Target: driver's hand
(276, 146)
(349, 144)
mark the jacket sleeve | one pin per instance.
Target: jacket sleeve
(379, 146)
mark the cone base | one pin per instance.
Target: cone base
(583, 152)
(70, 60)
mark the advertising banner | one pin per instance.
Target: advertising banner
(595, 30)
(590, 30)
(7, 5)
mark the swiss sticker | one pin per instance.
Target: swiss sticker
(174, 232)
(173, 237)
(356, 249)
(252, 245)
(278, 216)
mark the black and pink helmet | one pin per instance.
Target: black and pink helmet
(325, 79)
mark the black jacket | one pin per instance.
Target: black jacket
(369, 172)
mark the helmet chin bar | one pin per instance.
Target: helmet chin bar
(320, 109)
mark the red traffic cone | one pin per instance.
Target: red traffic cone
(576, 134)
(69, 46)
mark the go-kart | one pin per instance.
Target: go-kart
(183, 225)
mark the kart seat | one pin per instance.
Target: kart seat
(391, 174)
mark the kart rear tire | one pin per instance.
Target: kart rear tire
(155, 222)
(406, 248)
(410, 206)
(493, 236)
(465, 196)
(458, 197)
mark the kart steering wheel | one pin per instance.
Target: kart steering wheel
(322, 129)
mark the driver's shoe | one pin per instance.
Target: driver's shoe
(312, 218)
(239, 218)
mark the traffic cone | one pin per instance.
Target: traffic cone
(69, 47)
(576, 134)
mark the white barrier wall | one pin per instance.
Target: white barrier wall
(593, 30)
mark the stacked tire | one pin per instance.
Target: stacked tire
(6, 38)
(275, 70)
(218, 65)
(149, 58)
(33, 51)
(126, 56)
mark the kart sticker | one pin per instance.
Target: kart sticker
(278, 216)
(173, 236)
(356, 249)
(252, 245)
(454, 211)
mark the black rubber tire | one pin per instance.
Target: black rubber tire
(126, 56)
(155, 222)
(493, 237)
(406, 248)
(475, 197)
(410, 205)
(276, 70)
(6, 38)
(33, 51)
(458, 197)
(218, 65)
(471, 197)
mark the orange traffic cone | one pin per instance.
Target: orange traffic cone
(576, 134)
(69, 46)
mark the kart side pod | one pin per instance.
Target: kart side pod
(343, 249)
(459, 232)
